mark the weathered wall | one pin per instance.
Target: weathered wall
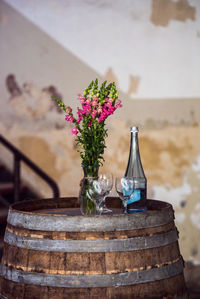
(151, 49)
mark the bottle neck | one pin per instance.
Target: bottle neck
(134, 167)
(134, 146)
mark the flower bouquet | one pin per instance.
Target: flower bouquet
(89, 127)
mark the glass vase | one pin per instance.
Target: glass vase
(87, 206)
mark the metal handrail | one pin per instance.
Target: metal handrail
(18, 157)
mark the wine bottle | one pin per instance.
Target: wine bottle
(137, 201)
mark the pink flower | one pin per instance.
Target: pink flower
(99, 110)
(94, 112)
(87, 105)
(118, 103)
(109, 101)
(105, 111)
(82, 101)
(87, 101)
(86, 111)
(79, 119)
(107, 105)
(81, 97)
(69, 118)
(111, 110)
(102, 117)
(79, 112)
(94, 103)
(74, 131)
(86, 108)
(90, 123)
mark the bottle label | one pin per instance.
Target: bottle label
(136, 196)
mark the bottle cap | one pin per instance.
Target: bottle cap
(134, 129)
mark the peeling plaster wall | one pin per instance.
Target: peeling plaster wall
(129, 38)
(151, 50)
(165, 11)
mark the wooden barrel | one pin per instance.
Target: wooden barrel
(51, 251)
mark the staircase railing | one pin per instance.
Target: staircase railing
(18, 157)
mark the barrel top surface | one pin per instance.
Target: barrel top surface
(69, 207)
(63, 214)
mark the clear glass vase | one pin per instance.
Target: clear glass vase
(87, 206)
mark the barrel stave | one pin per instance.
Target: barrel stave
(166, 288)
(89, 263)
(107, 235)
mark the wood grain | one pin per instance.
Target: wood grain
(66, 272)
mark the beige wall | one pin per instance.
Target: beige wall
(153, 57)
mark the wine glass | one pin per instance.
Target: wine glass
(125, 188)
(106, 183)
(95, 193)
(99, 190)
